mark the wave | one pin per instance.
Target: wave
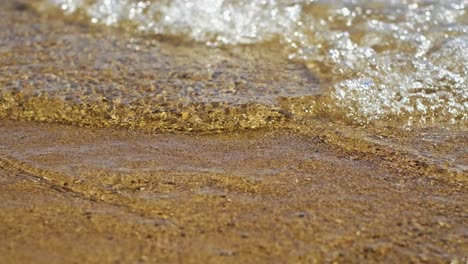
(381, 60)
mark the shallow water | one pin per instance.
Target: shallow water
(401, 60)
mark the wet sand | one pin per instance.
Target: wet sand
(74, 194)
(275, 188)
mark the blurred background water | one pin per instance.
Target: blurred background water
(224, 64)
(399, 58)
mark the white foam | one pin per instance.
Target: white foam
(388, 59)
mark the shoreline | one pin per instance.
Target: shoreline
(157, 151)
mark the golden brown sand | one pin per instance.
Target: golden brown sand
(74, 194)
(297, 190)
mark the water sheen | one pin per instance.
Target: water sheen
(397, 59)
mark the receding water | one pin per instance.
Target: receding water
(404, 59)
(213, 64)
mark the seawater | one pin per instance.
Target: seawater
(403, 60)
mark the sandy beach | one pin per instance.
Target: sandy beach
(110, 195)
(90, 180)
